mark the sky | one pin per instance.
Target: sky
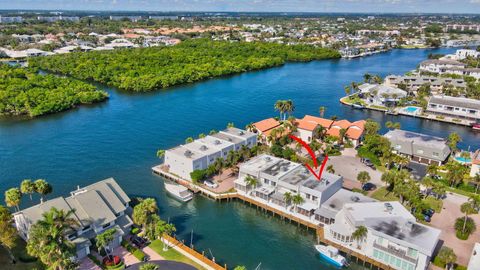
(372, 6)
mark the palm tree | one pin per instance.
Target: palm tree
(330, 169)
(47, 239)
(230, 125)
(251, 181)
(189, 140)
(456, 172)
(280, 106)
(360, 234)
(341, 133)
(104, 239)
(367, 77)
(287, 197)
(476, 181)
(447, 256)
(160, 153)
(13, 198)
(166, 229)
(201, 135)
(297, 199)
(467, 208)
(42, 187)
(143, 210)
(363, 177)
(348, 90)
(289, 107)
(148, 266)
(432, 169)
(322, 110)
(27, 187)
(453, 140)
(8, 233)
(251, 127)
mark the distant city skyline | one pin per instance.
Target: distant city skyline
(357, 6)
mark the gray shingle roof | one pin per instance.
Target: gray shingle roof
(456, 102)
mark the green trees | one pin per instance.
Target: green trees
(8, 233)
(27, 187)
(297, 199)
(287, 197)
(360, 234)
(456, 172)
(447, 257)
(160, 153)
(251, 181)
(13, 197)
(104, 239)
(146, 69)
(285, 107)
(453, 140)
(47, 240)
(466, 226)
(24, 92)
(42, 187)
(149, 266)
(363, 177)
(143, 211)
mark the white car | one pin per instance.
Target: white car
(210, 184)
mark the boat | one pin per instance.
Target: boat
(179, 192)
(331, 255)
(358, 106)
(476, 126)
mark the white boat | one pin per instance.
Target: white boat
(331, 255)
(178, 191)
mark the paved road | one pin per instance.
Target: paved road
(349, 165)
(167, 265)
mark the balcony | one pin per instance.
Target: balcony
(395, 252)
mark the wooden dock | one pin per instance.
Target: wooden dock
(282, 214)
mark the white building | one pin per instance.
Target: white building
(198, 155)
(413, 83)
(436, 66)
(464, 53)
(381, 95)
(457, 107)
(394, 237)
(97, 207)
(474, 263)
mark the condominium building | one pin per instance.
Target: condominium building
(97, 207)
(436, 66)
(419, 147)
(413, 83)
(14, 19)
(199, 154)
(474, 263)
(457, 107)
(381, 95)
(393, 238)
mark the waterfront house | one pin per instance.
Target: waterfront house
(97, 207)
(474, 263)
(413, 83)
(353, 131)
(381, 95)
(277, 176)
(264, 126)
(199, 154)
(393, 238)
(307, 127)
(436, 65)
(456, 107)
(420, 148)
(475, 169)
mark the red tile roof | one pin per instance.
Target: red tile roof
(266, 124)
(326, 123)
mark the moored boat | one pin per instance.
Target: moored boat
(476, 126)
(358, 106)
(179, 192)
(331, 255)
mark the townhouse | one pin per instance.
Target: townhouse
(456, 107)
(97, 207)
(413, 83)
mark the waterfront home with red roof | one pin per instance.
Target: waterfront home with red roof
(265, 126)
(308, 125)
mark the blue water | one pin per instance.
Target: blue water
(411, 109)
(464, 160)
(119, 139)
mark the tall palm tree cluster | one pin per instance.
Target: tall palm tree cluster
(153, 227)
(285, 107)
(13, 196)
(465, 225)
(48, 240)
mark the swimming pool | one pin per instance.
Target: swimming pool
(411, 109)
(463, 160)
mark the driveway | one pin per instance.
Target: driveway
(87, 264)
(163, 264)
(445, 222)
(349, 165)
(127, 257)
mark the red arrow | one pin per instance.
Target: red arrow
(314, 158)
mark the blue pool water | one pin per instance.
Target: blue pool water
(463, 160)
(119, 138)
(411, 109)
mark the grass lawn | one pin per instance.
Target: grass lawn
(382, 194)
(19, 252)
(435, 204)
(172, 254)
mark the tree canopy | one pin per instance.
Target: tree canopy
(24, 92)
(146, 69)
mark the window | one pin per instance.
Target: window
(398, 147)
(380, 240)
(398, 263)
(412, 253)
(435, 154)
(392, 260)
(106, 225)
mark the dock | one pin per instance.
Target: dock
(318, 228)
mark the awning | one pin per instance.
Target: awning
(265, 190)
(324, 212)
(308, 206)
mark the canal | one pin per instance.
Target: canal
(119, 139)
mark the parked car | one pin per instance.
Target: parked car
(369, 163)
(427, 218)
(139, 241)
(428, 212)
(210, 184)
(369, 187)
